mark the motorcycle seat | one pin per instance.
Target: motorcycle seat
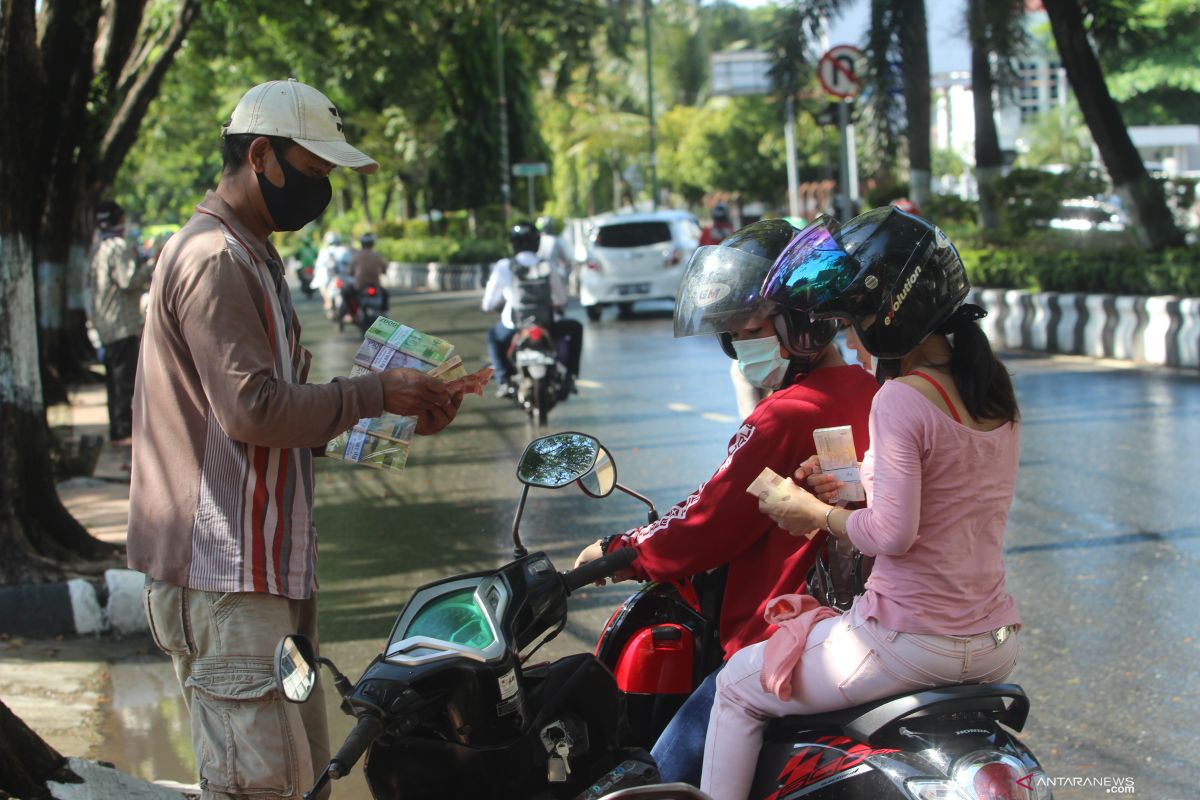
(874, 722)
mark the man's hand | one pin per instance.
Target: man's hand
(591, 553)
(412, 393)
(432, 421)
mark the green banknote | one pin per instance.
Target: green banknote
(411, 341)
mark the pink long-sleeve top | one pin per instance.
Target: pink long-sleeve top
(938, 495)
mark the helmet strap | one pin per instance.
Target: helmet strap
(886, 368)
(798, 368)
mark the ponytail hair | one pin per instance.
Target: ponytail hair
(982, 380)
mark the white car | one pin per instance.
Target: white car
(633, 257)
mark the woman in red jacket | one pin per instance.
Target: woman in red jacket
(720, 522)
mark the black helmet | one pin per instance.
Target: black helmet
(524, 237)
(895, 277)
(720, 213)
(548, 225)
(720, 291)
(367, 240)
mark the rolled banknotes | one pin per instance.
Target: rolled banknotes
(407, 340)
(389, 426)
(359, 447)
(835, 450)
(771, 487)
(377, 357)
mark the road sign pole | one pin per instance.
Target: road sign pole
(843, 163)
(529, 188)
(851, 163)
(789, 137)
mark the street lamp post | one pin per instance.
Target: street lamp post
(502, 103)
(646, 7)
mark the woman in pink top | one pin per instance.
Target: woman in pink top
(940, 475)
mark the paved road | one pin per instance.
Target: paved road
(1102, 550)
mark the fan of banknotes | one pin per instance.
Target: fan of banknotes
(383, 442)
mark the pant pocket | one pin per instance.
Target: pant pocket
(167, 615)
(241, 733)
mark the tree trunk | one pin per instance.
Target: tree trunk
(37, 535)
(1152, 218)
(914, 54)
(988, 159)
(26, 761)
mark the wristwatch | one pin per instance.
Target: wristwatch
(606, 542)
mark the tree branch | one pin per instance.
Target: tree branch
(123, 127)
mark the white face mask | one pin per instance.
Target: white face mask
(760, 362)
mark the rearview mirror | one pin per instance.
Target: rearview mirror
(556, 460)
(603, 477)
(295, 668)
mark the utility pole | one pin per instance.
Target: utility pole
(502, 102)
(646, 7)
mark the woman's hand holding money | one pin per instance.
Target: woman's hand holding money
(793, 509)
(821, 484)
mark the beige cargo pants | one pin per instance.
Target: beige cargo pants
(249, 741)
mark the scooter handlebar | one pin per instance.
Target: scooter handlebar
(602, 567)
(365, 731)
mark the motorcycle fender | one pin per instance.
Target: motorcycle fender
(657, 660)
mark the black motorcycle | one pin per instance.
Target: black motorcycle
(372, 303)
(540, 377)
(304, 274)
(454, 707)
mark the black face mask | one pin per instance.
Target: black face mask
(299, 201)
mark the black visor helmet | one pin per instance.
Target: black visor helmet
(720, 291)
(524, 237)
(893, 276)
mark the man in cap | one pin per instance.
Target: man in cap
(224, 429)
(117, 280)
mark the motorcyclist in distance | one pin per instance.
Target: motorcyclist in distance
(367, 267)
(720, 228)
(500, 294)
(333, 262)
(720, 523)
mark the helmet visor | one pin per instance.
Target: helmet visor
(719, 291)
(811, 270)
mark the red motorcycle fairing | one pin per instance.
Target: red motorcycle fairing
(822, 762)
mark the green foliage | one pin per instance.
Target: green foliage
(1033, 196)
(442, 249)
(1069, 262)
(950, 209)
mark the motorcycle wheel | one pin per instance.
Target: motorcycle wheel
(594, 312)
(539, 403)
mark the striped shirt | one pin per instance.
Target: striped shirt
(221, 490)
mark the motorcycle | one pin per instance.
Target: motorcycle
(304, 273)
(342, 302)
(372, 303)
(454, 706)
(948, 743)
(540, 378)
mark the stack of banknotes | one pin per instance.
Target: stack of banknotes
(383, 442)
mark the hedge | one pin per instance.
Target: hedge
(442, 249)
(1120, 269)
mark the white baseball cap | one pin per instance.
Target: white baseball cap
(297, 111)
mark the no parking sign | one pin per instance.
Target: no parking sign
(840, 69)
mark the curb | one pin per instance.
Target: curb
(1161, 331)
(74, 607)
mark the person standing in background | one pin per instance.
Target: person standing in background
(117, 279)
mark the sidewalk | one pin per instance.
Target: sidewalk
(101, 502)
(60, 685)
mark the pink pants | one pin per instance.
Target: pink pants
(847, 662)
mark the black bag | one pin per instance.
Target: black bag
(839, 574)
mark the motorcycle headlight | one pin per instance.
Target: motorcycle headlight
(456, 618)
